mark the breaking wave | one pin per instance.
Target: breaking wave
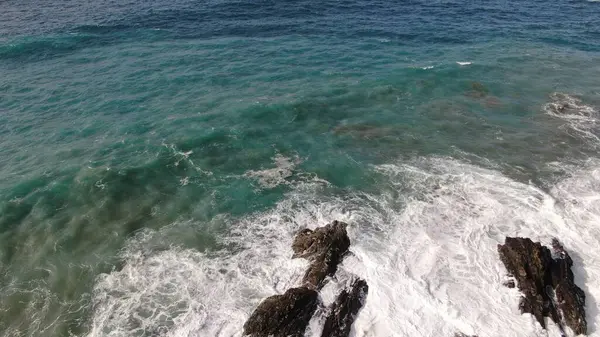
(581, 119)
(426, 245)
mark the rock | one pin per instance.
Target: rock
(546, 282)
(283, 315)
(344, 310)
(302, 242)
(492, 102)
(570, 298)
(478, 90)
(363, 131)
(325, 248)
(478, 87)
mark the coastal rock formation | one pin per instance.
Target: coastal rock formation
(344, 310)
(283, 315)
(290, 313)
(570, 298)
(325, 248)
(546, 282)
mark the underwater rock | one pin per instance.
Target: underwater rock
(492, 102)
(364, 131)
(478, 90)
(546, 282)
(344, 310)
(283, 315)
(570, 298)
(325, 248)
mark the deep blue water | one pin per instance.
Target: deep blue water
(178, 121)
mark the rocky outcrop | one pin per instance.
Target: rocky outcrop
(289, 314)
(570, 298)
(546, 282)
(283, 315)
(325, 248)
(344, 310)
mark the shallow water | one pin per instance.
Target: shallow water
(157, 157)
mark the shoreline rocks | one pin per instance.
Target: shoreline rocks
(325, 247)
(289, 314)
(546, 282)
(283, 315)
(542, 275)
(344, 310)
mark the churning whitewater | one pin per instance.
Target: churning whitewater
(426, 245)
(157, 159)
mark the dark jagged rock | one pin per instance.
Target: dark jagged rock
(570, 298)
(546, 282)
(283, 315)
(325, 248)
(344, 310)
(289, 314)
(460, 334)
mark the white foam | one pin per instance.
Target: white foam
(427, 67)
(272, 177)
(442, 273)
(464, 63)
(581, 119)
(428, 254)
(181, 156)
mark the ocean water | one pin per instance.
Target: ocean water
(156, 158)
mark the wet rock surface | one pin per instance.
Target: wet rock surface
(325, 247)
(283, 315)
(546, 281)
(344, 310)
(289, 314)
(570, 298)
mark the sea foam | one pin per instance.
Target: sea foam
(428, 254)
(426, 243)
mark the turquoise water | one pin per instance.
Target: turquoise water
(132, 129)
